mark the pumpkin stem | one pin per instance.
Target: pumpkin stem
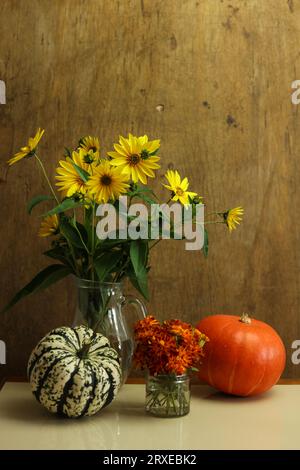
(245, 318)
(84, 350)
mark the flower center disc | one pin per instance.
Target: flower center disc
(134, 159)
(106, 180)
(179, 191)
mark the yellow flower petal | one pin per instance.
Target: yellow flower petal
(49, 226)
(107, 182)
(124, 143)
(132, 156)
(120, 150)
(153, 146)
(29, 149)
(185, 184)
(68, 178)
(90, 145)
(232, 217)
(178, 187)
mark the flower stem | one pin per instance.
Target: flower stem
(212, 213)
(73, 256)
(79, 234)
(155, 243)
(93, 242)
(46, 177)
(214, 222)
(105, 308)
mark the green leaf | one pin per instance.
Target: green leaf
(70, 233)
(42, 280)
(138, 192)
(139, 255)
(145, 190)
(66, 204)
(140, 283)
(81, 229)
(84, 175)
(110, 243)
(36, 200)
(88, 224)
(106, 263)
(205, 245)
(59, 254)
(147, 199)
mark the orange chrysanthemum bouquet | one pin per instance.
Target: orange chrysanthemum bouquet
(171, 347)
(168, 350)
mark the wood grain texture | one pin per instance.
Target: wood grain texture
(212, 79)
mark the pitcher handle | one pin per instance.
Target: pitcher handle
(139, 304)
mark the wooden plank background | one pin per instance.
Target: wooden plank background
(212, 79)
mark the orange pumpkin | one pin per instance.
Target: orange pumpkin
(243, 357)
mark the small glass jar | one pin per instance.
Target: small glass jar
(168, 396)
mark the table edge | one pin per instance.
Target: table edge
(2, 382)
(141, 380)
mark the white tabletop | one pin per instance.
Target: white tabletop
(216, 421)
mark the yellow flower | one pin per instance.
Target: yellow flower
(49, 226)
(69, 181)
(135, 157)
(107, 182)
(233, 217)
(91, 145)
(29, 149)
(178, 188)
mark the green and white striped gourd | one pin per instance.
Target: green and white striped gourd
(74, 372)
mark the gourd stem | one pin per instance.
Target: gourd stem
(84, 350)
(245, 318)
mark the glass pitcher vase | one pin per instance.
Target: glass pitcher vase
(101, 306)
